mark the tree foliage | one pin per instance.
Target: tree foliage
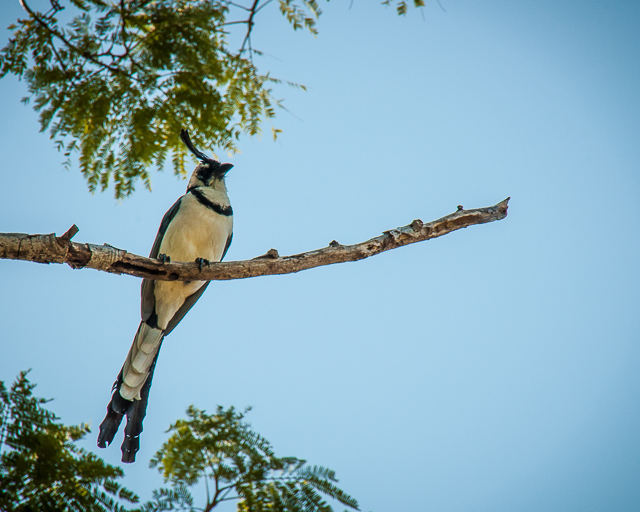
(40, 466)
(236, 463)
(401, 6)
(118, 80)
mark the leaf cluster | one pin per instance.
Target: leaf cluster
(401, 6)
(40, 466)
(301, 15)
(119, 79)
(236, 463)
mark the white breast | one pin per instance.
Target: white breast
(195, 232)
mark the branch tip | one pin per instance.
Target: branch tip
(504, 205)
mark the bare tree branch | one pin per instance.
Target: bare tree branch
(250, 24)
(53, 249)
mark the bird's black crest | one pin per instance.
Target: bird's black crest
(208, 166)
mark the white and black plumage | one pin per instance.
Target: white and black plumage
(198, 227)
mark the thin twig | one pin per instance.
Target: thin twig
(441, 7)
(263, 6)
(239, 6)
(249, 29)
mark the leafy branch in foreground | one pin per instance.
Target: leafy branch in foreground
(40, 466)
(122, 77)
(236, 463)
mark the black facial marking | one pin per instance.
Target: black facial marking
(205, 171)
(218, 208)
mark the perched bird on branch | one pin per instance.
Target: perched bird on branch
(198, 227)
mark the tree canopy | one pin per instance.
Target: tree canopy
(118, 79)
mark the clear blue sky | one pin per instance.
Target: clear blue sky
(496, 368)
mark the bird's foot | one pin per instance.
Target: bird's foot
(202, 262)
(164, 258)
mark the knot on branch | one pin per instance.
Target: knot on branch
(271, 254)
(393, 233)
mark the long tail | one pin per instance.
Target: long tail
(131, 392)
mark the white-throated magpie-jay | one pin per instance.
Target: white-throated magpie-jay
(198, 227)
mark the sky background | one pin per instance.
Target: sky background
(495, 368)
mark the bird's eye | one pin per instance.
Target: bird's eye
(205, 174)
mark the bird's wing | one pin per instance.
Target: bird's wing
(166, 220)
(148, 303)
(226, 247)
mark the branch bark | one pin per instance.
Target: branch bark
(53, 249)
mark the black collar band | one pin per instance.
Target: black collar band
(216, 207)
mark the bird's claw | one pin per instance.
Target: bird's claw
(202, 262)
(164, 258)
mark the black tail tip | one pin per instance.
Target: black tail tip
(130, 447)
(109, 427)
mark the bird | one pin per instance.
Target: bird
(198, 227)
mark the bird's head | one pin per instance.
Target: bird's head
(209, 172)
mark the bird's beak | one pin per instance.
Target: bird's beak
(225, 168)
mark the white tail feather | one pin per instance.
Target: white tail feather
(136, 367)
